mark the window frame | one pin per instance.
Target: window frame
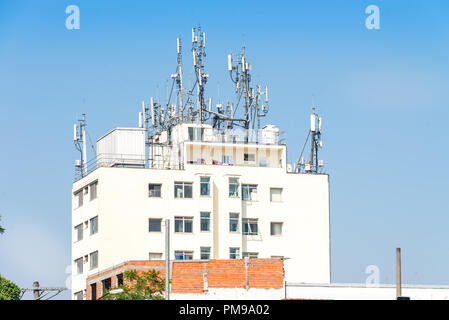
(150, 190)
(79, 266)
(184, 254)
(249, 222)
(271, 228)
(183, 184)
(234, 219)
(236, 253)
(235, 185)
(155, 219)
(249, 191)
(91, 267)
(183, 219)
(77, 232)
(204, 253)
(208, 219)
(280, 194)
(205, 183)
(93, 190)
(251, 255)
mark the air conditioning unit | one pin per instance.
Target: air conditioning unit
(77, 163)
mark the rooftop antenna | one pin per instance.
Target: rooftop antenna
(79, 139)
(314, 164)
(199, 53)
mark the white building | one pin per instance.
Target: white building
(224, 197)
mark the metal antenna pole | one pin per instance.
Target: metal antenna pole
(398, 273)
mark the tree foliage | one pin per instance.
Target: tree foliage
(143, 285)
(8, 290)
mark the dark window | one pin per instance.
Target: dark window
(154, 190)
(106, 285)
(183, 190)
(184, 224)
(155, 225)
(205, 186)
(120, 279)
(205, 221)
(93, 291)
(249, 226)
(94, 225)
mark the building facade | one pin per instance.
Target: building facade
(224, 198)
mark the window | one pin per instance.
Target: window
(249, 157)
(93, 190)
(205, 186)
(249, 226)
(233, 187)
(251, 255)
(184, 224)
(234, 222)
(205, 253)
(155, 256)
(79, 265)
(275, 194)
(183, 190)
(205, 221)
(79, 199)
(93, 260)
(78, 295)
(154, 190)
(276, 228)
(93, 291)
(106, 283)
(79, 232)
(196, 134)
(234, 253)
(120, 279)
(94, 225)
(227, 160)
(249, 191)
(155, 225)
(183, 255)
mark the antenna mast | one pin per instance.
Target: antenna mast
(314, 164)
(79, 139)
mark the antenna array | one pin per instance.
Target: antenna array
(313, 165)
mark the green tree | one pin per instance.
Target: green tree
(147, 285)
(8, 290)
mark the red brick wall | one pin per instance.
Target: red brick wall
(188, 276)
(226, 273)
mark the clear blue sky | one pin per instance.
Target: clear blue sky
(383, 95)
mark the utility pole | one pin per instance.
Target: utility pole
(167, 259)
(398, 273)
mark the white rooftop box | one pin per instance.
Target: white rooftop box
(122, 147)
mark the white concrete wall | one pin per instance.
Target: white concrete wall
(361, 292)
(123, 207)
